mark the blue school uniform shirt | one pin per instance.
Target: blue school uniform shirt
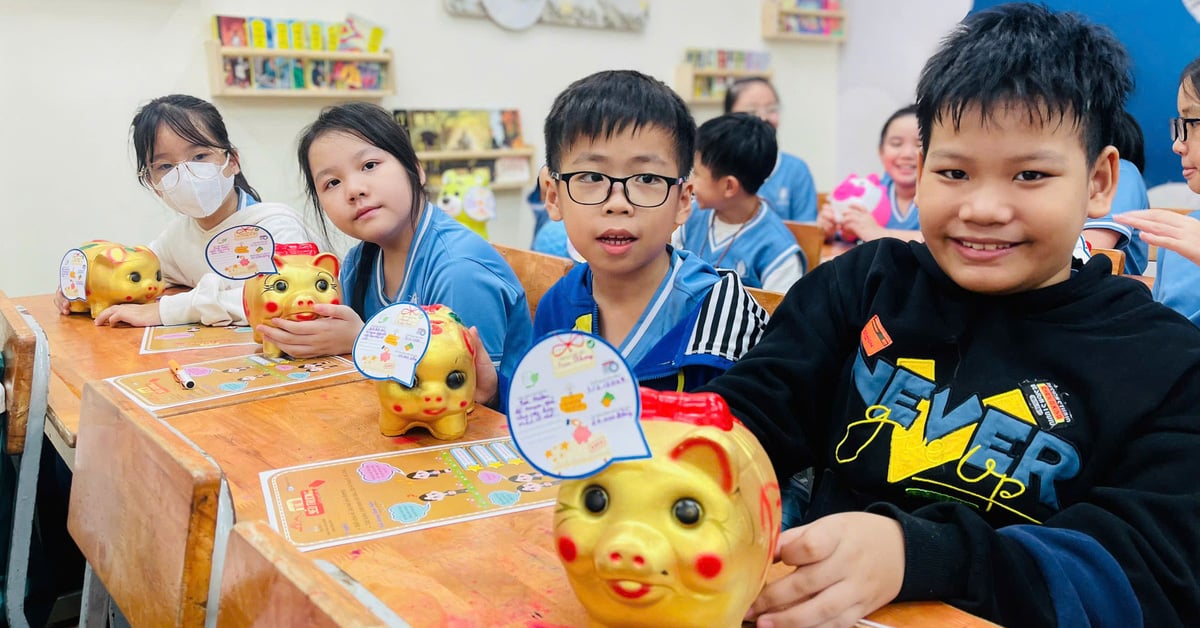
(551, 239)
(895, 220)
(1130, 196)
(451, 265)
(697, 324)
(760, 247)
(1177, 282)
(790, 190)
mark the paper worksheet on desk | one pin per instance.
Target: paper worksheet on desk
(158, 389)
(164, 338)
(367, 497)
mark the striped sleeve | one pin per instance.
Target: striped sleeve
(730, 321)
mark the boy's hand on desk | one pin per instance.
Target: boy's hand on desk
(331, 334)
(847, 566)
(1166, 229)
(487, 382)
(136, 315)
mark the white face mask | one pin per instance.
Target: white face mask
(201, 189)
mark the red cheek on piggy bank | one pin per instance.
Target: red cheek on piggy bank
(708, 565)
(272, 307)
(566, 548)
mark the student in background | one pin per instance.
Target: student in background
(619, 146)
(1105, 232)
(734, 155)
(185, 157)
(789, 190)
(362, 174)
(899, 149)
(1177, 271)
(973, 437)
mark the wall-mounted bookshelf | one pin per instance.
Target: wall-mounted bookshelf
(704, 79)
(803, 20)
(511, 168)
(339, 71)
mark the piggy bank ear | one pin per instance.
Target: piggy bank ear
(105, 260)
(279, 261)
(709, 457)
(327, 262)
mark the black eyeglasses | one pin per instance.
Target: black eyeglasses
(1179, 128)
(641, 190)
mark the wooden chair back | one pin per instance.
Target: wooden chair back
(18, 341)
(810, 238)
(1116, 257)
(769, 300)
(536, 271)
(267, 582)
(144, 504)
(822, 198)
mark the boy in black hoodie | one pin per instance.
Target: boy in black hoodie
(991, 426)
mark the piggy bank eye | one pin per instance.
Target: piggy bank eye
(456, 379)
(416, 382)
(595, 499)
(158, 275)
(322, 285)
(687, 511)
(135, 277)
(279, 286)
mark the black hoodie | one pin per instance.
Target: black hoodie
(1040, 450)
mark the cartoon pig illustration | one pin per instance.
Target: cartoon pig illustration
(683, 538)
(443, 387)
(118, 274)
(298, 283)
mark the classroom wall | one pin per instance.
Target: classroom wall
(881, 60)
(67, 171)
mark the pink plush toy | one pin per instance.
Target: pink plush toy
(866, 191)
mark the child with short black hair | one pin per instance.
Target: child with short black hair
(619, 148)
(789, 189)
(989, 425)
(736, 229)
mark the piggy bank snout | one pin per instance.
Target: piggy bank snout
(632, 548)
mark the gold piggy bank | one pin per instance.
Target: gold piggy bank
(118, 274)
(683, 538)
(443, 387)
(298, 283)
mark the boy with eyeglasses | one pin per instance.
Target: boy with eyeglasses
(619, 146)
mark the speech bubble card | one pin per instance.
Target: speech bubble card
(241, 252)
(392, 343)
(573, 406)
(72, 275)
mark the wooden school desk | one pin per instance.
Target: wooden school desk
(495, 571)
(81, 352)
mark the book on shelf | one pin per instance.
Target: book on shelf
(434, 130)
(262, 35)
(230, 30)
(811, 24)
(467, 129)
(361, 34)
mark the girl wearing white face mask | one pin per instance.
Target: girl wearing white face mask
(185, 157)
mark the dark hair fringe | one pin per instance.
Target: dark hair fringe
(611, 102)
(739, 145)
(195, 120)
(376, 126)
(907, 110)
(1056, 65)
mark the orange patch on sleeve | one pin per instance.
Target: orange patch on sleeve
(874, 337)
